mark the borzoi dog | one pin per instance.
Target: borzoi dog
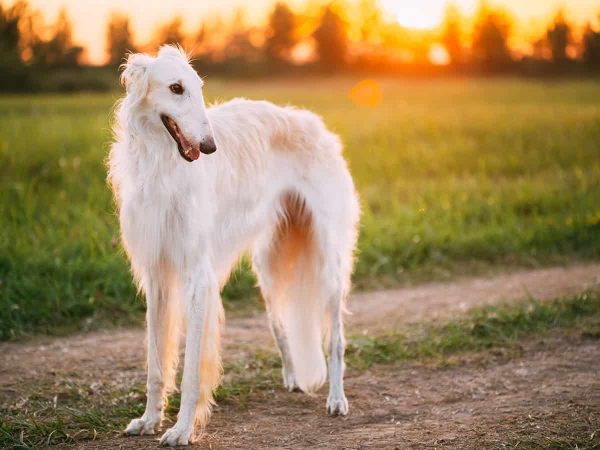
(196, 188)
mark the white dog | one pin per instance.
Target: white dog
(275, 184)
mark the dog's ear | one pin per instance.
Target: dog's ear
(135, 75)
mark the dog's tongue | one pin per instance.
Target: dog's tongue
(191, 151)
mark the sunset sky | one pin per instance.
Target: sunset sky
(90, 16)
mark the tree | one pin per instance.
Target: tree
(591, 47)
(239, 45)
(490, 39)
(9, 30)
(118, 38)
(62, 51)
(371, 20)
(13, 74)
(281, 35)
(170, 33)
(199, 38)
(58, 51)
(452, 35)
(332, 40)
(558, 37)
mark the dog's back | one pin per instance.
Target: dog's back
(274, 128)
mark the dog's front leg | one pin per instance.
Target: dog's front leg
(162, 345)
(202, 366)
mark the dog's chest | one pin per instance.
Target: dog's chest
(156, 224)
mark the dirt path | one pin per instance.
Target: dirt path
(403, 406)
(551, 391)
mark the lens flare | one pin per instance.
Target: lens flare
(366, 93)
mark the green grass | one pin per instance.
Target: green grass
(485, 328)
(455, 176)
(79, 413)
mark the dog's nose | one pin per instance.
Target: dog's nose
(208, 146)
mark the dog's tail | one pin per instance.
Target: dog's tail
(297, 301)
(302, 319)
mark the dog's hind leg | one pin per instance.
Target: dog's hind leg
(335, 248)
(260, 262)
(162, 338)
(287, 370)
(335, 212)
(336, 401)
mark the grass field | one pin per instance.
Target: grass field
(455, 176)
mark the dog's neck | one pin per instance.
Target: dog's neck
(149, 146)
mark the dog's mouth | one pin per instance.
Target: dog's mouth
(188, 151)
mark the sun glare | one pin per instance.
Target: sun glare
(438, 55)
(419, 15)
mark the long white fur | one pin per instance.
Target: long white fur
(185, 225)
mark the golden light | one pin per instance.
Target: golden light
(438, 55)
(420, 15)
(366, 93)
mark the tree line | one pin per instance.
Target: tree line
(339, 36)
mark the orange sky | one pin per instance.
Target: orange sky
(90, 16)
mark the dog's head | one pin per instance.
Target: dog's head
(168, 93)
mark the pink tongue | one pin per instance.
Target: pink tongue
(190, 150)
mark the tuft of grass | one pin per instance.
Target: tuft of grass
(454, 176)
(593, 443)
(70, 416)
(484, 328)
(76, 414)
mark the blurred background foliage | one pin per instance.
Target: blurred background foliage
(342, 36)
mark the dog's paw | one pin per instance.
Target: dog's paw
(177, 435)
(336, 405)
(142, 426)
(289, 381)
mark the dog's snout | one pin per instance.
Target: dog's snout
(208, 146)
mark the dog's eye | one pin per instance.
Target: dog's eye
(176, 88)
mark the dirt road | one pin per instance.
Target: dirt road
(552, 387)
